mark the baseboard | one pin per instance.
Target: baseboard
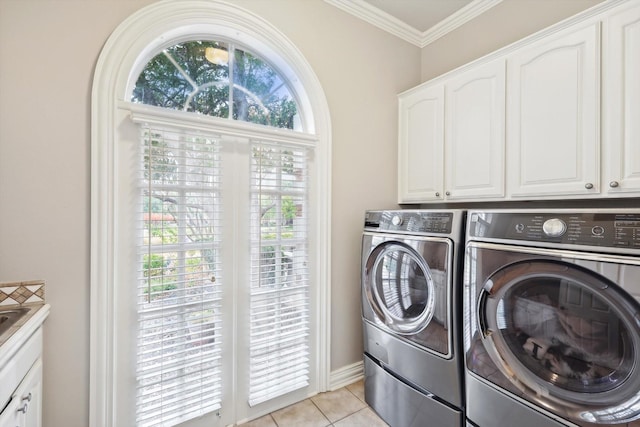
(346, 375)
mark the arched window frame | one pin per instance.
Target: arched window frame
(132, 44)
(284, 72)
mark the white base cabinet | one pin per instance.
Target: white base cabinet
(21, 373)
(25, 408)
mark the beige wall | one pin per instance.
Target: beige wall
(507, 22)
(48, 51)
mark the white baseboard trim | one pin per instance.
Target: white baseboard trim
(346, 375)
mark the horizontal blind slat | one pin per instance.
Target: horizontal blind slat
(179, 276)
(279, 290)
(293, 362)
(272, 311)
(282, 374)
(173, 390)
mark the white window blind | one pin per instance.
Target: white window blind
(179, 286)
(279, 306)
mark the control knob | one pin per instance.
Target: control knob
(554, 227)
(396, 220)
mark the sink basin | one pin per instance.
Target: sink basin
(9, 316)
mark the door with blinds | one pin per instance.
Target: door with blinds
(223, 293)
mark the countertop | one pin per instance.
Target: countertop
(14, 337)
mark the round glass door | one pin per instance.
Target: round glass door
(566, 336)
(400, 288)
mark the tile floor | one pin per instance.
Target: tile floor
(344, 407)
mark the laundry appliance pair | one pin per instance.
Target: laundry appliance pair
(498, 318)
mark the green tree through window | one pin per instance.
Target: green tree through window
(217, 79)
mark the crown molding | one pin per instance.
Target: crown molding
(457, 19)
(381, 19)
(371, 14)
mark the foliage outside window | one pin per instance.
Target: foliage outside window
(280, 287)
(217, 79)
(180, 282)
(179, 294)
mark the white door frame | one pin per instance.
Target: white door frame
(132, 44)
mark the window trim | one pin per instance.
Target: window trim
(124, 55)
(164, 117)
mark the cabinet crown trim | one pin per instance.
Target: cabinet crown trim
(587, 17)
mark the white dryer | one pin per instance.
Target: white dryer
(411, 309)
(552, 318)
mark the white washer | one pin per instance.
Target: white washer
(411, 308)
(552, 318)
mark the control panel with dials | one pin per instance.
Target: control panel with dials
(609, 229)
(410, 221)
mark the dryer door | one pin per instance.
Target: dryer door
(565, 336)
(406, 288)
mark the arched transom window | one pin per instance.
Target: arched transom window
(217, 79)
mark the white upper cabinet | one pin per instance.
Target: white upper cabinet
(553, 104)
(554, 116)
(420, 148)
(621, 91)
(474, 133)
(454, 152)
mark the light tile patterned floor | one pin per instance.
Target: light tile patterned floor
(344, 407)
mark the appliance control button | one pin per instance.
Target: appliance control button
(520, 228)
(396, 220)
(554, 227)
(597, 230)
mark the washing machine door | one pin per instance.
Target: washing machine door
(405, 284)
(565, 336)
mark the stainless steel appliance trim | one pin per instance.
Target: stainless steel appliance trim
(377, 301)
(587, 256)
(387, 237)
(578, 412)
(399, 404)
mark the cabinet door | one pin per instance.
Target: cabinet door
(10, 416)
(622, 103)
(474, 133)
(32, 396)
(553, 116)
(420, 145)
(25, 409)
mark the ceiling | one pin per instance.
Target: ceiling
(417, 21)
(420, 15)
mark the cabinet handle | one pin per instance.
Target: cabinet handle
(613, 184)
(24, 408)
(588, 186)
(27, 397)
(448, 193)
(437, 194)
